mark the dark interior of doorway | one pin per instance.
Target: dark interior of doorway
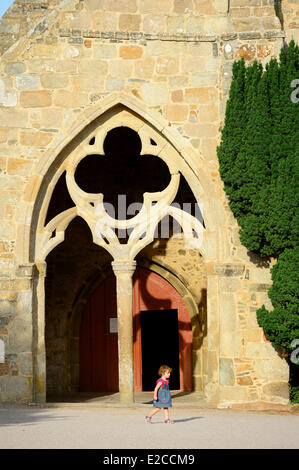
(159, 346)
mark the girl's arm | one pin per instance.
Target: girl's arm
(156, 390)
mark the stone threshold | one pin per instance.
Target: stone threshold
(141, 399)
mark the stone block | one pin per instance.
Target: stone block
(201, 49)
(144, 68)
(173, 48)
(27, 82)
(178, 81)
(201, 130)
(3, 135)
(51, 118)
(167, 65)
(104, 51)
(220, 5)
(7, 98)
(183, 6)
(155, 93)
(246, 52)
(277, 369)
(195, 25)
(103, 21)
(154, 48)
(177, 96)
(130, 52)
(208, 113)
(93, 67)
(264, 50)
(175, 24)
(16, 389)
(93, 4)
(71, 52)
(218, 24)
(54, 80)
(227, 312)
(278, 390)
(271, 22)
(26, 366)
(154, 24)
(19, 166)
(240, 12)
(68, 99)
(245, 380)
(15, 68)
(129, 22)
(120, 68)
(152, 6)
(39, 66)
(204, 7)
(35, 139)
(126, 6)
(86, 83)
(176, 112)
(20, 343)
(113, 84)
(193, 64)
(260, 350)
(230, 342)
(200, 95)
(35, 99)
(226, 371)
(245, 24)
(46, 50)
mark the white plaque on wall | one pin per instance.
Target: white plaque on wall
(113, 325)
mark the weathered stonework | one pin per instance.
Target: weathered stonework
(163, 68)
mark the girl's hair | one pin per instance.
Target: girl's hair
(164, 369)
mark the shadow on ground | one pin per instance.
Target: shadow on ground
(11, 415)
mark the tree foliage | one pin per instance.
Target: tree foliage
(259, 164)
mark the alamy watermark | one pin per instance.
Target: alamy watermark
(295, 93)
(295, 353)
(161, 220)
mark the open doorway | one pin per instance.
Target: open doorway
(160, 346)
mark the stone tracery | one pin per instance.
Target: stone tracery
(91, 207)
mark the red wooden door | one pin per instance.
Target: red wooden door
(153, 292)
(98, 343)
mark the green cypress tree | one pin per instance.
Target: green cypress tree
(235, 118)
(261, 180)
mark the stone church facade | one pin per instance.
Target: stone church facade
(81, 81)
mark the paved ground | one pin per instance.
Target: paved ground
(79, 427)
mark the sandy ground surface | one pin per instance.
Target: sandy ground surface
(123, 428)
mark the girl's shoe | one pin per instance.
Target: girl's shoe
(148, 419)
(167, 421)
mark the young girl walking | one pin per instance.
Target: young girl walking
(162, 397)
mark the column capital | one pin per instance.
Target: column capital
(124, 266)
(31, 270)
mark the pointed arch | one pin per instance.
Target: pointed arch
(184, 158)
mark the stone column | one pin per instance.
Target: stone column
(124, 291)
(39, 347)
(32, 305)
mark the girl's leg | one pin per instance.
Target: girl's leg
(166, 415)
(156, 410)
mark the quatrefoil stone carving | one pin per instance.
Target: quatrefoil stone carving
(91, 207)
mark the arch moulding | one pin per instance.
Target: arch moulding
(41, 184)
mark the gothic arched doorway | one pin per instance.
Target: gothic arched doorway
(162, 333)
